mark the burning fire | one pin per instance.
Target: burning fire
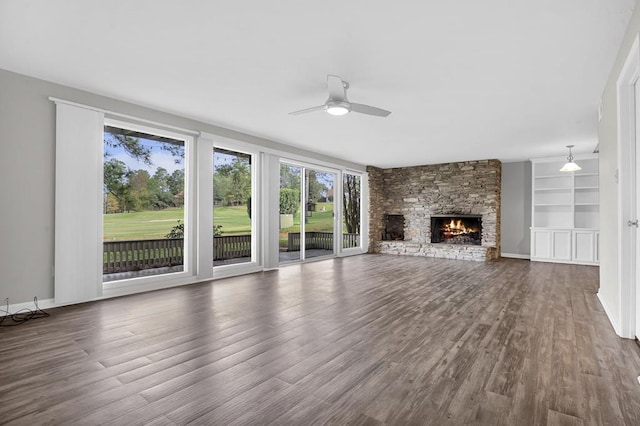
(456, 227)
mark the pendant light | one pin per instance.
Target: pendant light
(571, 166)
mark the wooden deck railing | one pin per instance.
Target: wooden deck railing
(231, 247)
(320, 240)
(134, 255)
(350, 240)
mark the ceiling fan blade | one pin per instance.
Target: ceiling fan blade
(337, 91)
(366, 109)
(304, 111)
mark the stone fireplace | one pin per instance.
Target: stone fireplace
(428, 198)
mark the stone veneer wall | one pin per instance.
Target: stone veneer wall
(469, 187)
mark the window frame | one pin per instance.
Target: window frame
(339, 250)
(255, 158)
(257, 222)
(190, 227)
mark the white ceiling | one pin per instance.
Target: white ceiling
(465, 80)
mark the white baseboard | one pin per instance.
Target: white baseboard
(612, 319)
(515, 256)
(15, 307)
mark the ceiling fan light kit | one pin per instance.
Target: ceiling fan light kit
(338, 108)
(338, 104)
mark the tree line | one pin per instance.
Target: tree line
(136, 190)
(232, 182)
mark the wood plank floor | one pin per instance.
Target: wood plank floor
(373, 339)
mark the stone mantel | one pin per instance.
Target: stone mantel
(469, 187)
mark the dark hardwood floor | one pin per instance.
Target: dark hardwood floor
(369, 340)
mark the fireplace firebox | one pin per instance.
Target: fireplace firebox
(393, 227)
(456, 229)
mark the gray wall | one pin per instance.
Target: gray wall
(516, 208)
(27, 134)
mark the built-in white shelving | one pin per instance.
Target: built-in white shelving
(565, 217)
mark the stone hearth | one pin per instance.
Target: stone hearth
(464, 188)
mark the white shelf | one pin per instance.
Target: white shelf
(565, 211)
(547, 176)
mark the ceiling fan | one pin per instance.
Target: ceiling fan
(338, 104)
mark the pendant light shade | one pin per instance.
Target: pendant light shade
(571, 166)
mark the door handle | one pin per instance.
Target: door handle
(632, 223)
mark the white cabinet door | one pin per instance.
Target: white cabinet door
(561, 245)
(565, 245)
(541, 245)
(584, 246)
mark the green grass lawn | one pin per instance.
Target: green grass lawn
(318, 221)
(140, 225)
(158, 223)
(234, 220)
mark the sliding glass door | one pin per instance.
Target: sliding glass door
(307, 219)
(290, 211)
(319, 223)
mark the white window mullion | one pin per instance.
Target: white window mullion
(338, 212)
(303, 213)
(205, 211)
(364, 213)
(270, 196)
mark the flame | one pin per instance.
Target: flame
(456, 227)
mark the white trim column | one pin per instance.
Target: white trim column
(78, 204)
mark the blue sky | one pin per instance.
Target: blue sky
(159, 158)
(220, 158)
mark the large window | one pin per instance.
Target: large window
(232, 207)
(144, 204)
(351, 214)
(152, 205)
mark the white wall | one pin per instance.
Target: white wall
(607, 132)
(27, 135)
(515, 221)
